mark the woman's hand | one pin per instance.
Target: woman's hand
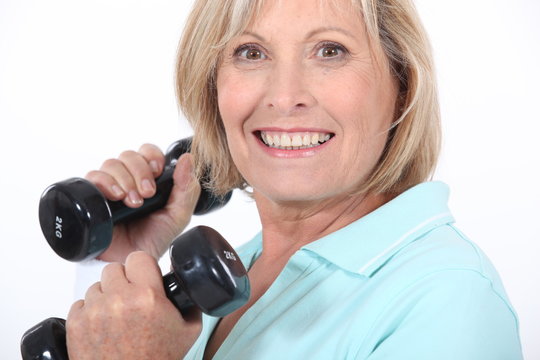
(131, 178)
(128, 316)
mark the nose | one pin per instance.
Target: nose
(289, 90)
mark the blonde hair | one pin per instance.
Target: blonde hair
(412, 148)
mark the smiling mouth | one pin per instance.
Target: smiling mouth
(295, 140)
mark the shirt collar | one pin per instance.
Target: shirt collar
(365, 245)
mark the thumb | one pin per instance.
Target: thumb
(185, 191)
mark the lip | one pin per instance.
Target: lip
(291, 154)
(291, 130)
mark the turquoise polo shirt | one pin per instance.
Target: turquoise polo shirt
(400, 283)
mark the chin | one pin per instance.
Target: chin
(302, 184)
(293, 193)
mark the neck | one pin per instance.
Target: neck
(287, 226)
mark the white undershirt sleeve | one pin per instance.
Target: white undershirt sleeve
(86, 274)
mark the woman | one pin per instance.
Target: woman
(328, 111)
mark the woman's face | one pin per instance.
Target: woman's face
(306, 103)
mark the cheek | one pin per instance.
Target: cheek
(235, 103)
(365, 109)
(227, 102)
(363, 103)
(237, 99)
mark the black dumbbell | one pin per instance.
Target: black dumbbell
(206, 273)
(77, 220)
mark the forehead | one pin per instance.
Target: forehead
(305, 12)
(323, 5)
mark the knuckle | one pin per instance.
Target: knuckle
(151, 153)
(138, 301)
(93, 175)
(127, 154)
(116, 304)
(92, 290)
(111, 268)
(110, 163)
(138, 260)
(145, 299)
(94, 314)
(147, 147)
(75, 308)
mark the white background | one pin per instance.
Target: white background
(81, 81)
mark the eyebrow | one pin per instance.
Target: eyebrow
(309, 35)
(328, 29)
(255, 35)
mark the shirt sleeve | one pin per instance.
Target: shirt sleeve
(451, 314)
(86, 274)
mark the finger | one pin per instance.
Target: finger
(76, 307)
(93, 293)
(154, 157)
(143, 269)
(140, 170)
(125, 179)
(106, 184)
(185, 192)
(113, 277)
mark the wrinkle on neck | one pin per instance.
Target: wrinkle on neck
(289, 226)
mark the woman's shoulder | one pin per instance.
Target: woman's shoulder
(445, 248)
(444, 260)
(441, 294)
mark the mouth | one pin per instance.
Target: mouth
(293, 140)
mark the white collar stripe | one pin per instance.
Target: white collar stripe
(393, 246)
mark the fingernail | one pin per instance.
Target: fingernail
(154, 166)
(134, 198)
(147, 185)
(117, 191)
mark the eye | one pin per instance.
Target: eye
(331, 50)
(249, 52)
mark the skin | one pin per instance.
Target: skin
(299, 67)
(127, 314)
(131, 178)
(283, 81)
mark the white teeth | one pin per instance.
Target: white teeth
(269, 139)
(294, 141)
(285, 140)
